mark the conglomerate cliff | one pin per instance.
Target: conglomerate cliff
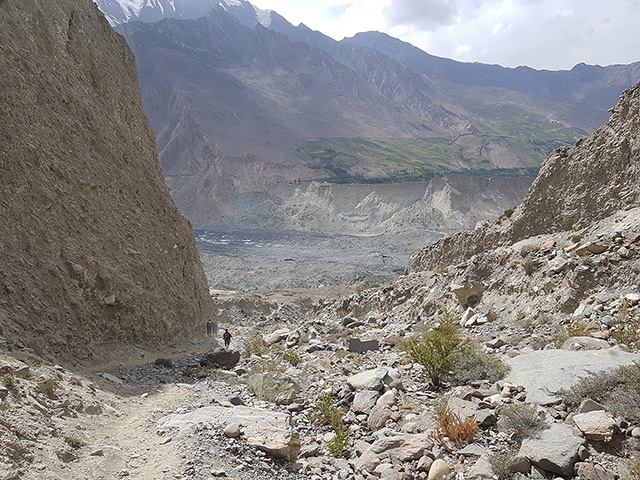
(93, 248)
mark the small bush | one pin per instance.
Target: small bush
(339, 442)
(164, 362)
(627, 328)
(459, 432)
(9, 382)
(292, 357)
(325, 413)
(254, 346)
(473, 363)
(501, 463)
(508, 212)
(74, 442)
(521, 420)
(529, 268)
(618, 390)
(437, 352)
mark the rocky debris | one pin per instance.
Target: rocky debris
(269, 431)
(375, 379)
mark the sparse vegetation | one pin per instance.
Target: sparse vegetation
(326, 413)
(164, 362)
(520, 420)
(452, 428)
(9, 382)
(618, 390)
(508, 212)
(501, 463)
(74, 442)
(626, 330)
(254, 345)
(292, 357)
(437, 352)
(475, 364)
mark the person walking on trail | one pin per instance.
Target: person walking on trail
(226, 336)
(209, 328)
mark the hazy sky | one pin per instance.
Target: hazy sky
(544, 34)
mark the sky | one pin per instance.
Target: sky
(543, 34)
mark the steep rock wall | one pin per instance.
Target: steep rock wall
(93, 248)
(576, 187)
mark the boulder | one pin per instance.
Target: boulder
(544, 372)
(596, 425)
(274, 387)
(364, 401)
(378, 417)
(554, 450)
(462, 408)
(221, 358)
(356, 345)
(592, 471)
(584, 343)
(269, 431)
(375, 379)
(277, 336)
(481, 469)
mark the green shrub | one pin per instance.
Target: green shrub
(627, 328)
(164, 362)
(9, 381)
(472, 363)
(618, 390)
(529, 268)
(508, 212)
(437, 352)
(292, 357)
(501, 463)
(326, 413)
(255, 346)
(521, 420)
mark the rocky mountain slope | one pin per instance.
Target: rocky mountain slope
(94, 249)
(576, 187)
(250, 103)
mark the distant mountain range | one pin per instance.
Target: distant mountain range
(243, 101)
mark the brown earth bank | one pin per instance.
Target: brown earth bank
(93, 247)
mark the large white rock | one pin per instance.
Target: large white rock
(375, 379)
(554, 450)
(544, 372)
(269, 431)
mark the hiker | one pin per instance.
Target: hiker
(209, 328)
(226, 336)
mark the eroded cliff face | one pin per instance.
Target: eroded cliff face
(93, 248)
(576, 187)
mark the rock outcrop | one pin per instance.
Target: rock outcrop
(93, 248)
(576, 187)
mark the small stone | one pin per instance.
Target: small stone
(439, 470)
(592, 471)
(424, 464)
(232, 430)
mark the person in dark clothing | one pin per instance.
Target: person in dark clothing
(226, 336)
(209, 328)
